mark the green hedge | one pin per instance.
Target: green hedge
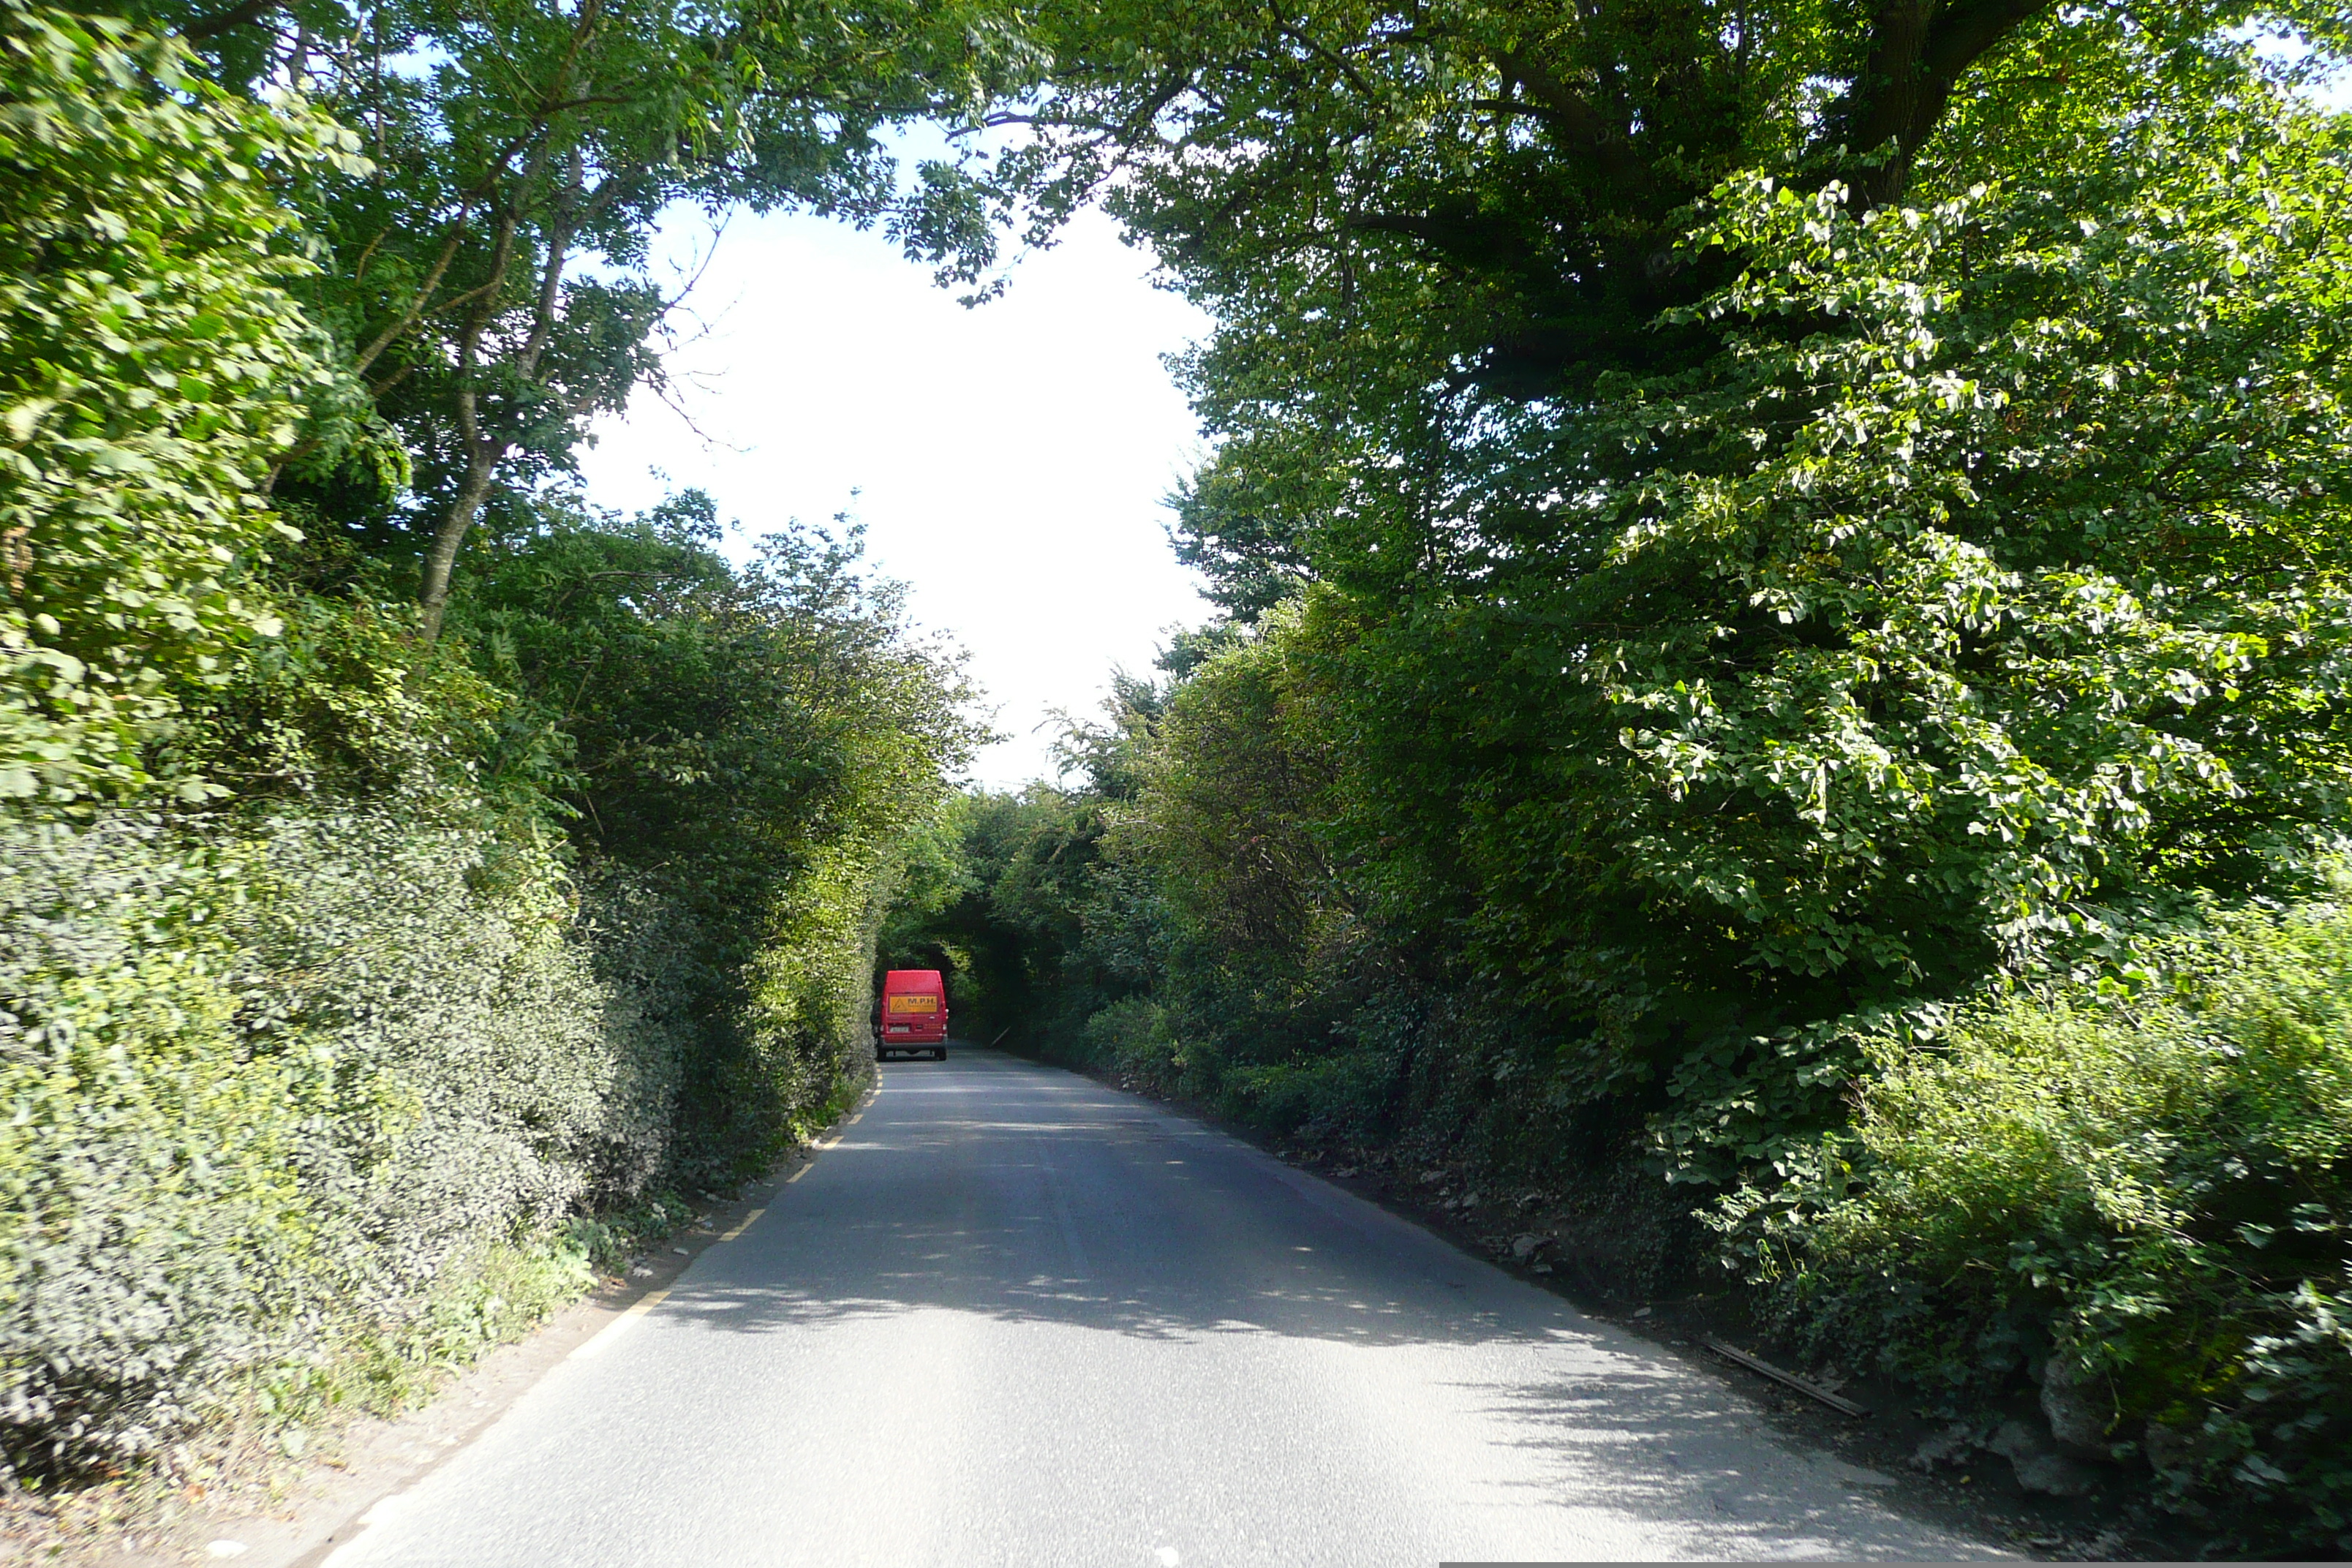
(269, 1080)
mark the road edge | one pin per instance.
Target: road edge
(374, 1459)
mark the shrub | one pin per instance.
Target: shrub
(274, 1079)
(2139, 1194)
(1135, 1039)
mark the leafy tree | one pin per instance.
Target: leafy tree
(1414, 225)
(492, 269)
(1795, 511)
(1845, 668)
(703, 703)
(153, 365)
(1230, 817)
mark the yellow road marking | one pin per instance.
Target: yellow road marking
(815, 1148)
(605, 1335)
(653, 1298)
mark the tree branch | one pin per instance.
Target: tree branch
(1581, 127)
(551, 283)
(1917, 55)
(392, 332)
(1468, 240)
(235, 16)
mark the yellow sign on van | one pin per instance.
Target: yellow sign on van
(903, 1003)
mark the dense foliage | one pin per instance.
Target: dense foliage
(152, 367)
(1786, 636)
(2139, 1194)
(368, 969)
(272, 1081)
(1740, 533)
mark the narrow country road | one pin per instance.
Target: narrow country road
(1014, 1317)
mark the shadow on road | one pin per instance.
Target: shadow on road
(987, 1185)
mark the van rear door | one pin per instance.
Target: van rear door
(914, 1013)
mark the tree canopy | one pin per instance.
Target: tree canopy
(1752, 533)
(491, 273)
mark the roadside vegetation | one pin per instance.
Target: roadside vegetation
(1784, 619)
(416, 883)
(1784, 624)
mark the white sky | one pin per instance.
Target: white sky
(1010, 460)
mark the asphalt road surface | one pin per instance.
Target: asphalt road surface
(1014, 1317)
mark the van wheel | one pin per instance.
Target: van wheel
(940, 1055)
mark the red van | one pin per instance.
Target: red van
(914, 1013)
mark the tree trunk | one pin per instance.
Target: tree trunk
(482, 452)
(441, 560)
